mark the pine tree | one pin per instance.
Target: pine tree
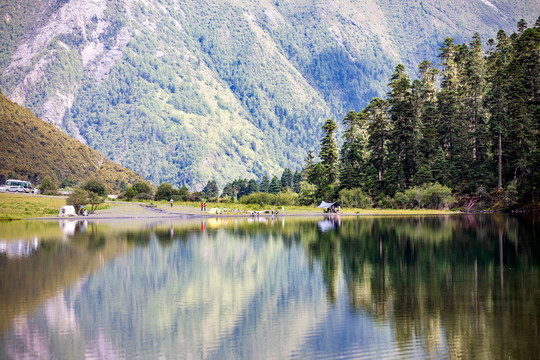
(379, 131)
(428, 113)
(297, 179)
(477, 116)
(497, 99)
(329, 153)
(523, 74)
(453, 130)
(404, 136)
(286, 179)
(353, 154)
(265, 184)
(275, 185)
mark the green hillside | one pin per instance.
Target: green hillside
(33, 149)
(187, 91)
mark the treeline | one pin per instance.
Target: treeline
(472, 126)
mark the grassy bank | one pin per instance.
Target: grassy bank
(20, 206)
(23, 206)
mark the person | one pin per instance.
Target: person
(171, 201)
(202, 206)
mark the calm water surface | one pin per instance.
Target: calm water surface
(362, 288)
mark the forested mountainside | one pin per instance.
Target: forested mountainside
(33, 149)
(185, 91)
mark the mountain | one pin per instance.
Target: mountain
(186, 91)
(34, 149)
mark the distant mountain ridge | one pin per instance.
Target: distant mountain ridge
(188, 91)
(33, 149)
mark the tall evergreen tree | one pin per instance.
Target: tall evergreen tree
(297, 179)
(354, 152)
(404, 137)
(329, 153)
(275, 185)
(497, 97)
(428, 113)
(523, 131)
(477, 116)
(286, 178)
(265, 184)
(379, 132)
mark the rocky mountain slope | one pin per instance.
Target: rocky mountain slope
(185, 91)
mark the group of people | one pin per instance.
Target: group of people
(203, 206)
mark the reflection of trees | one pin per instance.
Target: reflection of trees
(199, 286)
(433, 273)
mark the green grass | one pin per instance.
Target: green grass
(19, 206)
(22, 206)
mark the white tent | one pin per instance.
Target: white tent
(67, 210)
(325, 205)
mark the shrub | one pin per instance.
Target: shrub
(47, 187)
(144, 196)
(77, 198)
(401, 200)
(436, 196)
(141, 187)
(427, 196)
(307, 195)
(96, 186)
(260, 198)
(164, 192)
(354, 198)
(196, 196)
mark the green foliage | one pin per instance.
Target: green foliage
(275, 186)
(68, 183)
(427, 196)
(94, 200)
(95, 186)
(47, 186)
(265, 199)
(164, 191)
(211, 190)
(77, 198)
(354, 198)
(307, 194)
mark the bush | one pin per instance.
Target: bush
(141, 187)
(164, 192)
(47, 187)
(287, 197)
(428, 196)
(196, 197)
(96, 186)
(436, 196)
(354, 198)
(401, 200)
(144, 196)
(308, 194)
(259, 198)
(77, 198)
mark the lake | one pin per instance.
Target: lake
(417, 287)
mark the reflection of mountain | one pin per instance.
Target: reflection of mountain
(27, 281)
(371, 287)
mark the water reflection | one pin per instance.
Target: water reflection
(272, 287)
